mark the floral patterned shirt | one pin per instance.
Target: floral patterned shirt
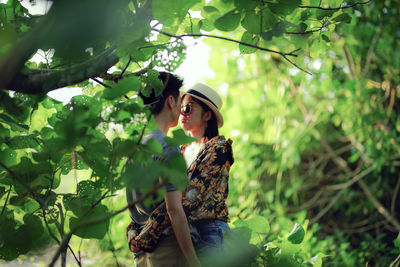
(203, 198)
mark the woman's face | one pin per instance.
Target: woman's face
(192, 121)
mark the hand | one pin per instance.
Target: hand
(133, 246)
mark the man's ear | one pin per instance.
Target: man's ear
(207, 116)
(170, 101)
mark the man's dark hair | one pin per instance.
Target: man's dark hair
(172, 84)
(212, 124)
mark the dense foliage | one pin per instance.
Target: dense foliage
(316, 177)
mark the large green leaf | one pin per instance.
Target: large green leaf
(124, 86)
(178, 138)
(97, 230)
(228, 22)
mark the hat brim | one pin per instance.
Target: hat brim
(220, 119)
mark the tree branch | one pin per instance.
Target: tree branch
(283, 54)
(116, 77)
(381, 209)
(22, 50)
(100, 82)
(395, 261)
(336, 8)
(352, 181)
(41, 81)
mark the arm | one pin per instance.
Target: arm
(177, 216)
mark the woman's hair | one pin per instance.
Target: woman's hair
(171, 83)
(212, 124)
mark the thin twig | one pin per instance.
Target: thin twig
(352, 181)
(396, 191)
(100, 82)
(127, 65)
(283, 54)
(336, 8)
(113, 248)
(395, 261)
(381, 209)
(5, 202)
(144, 128)
(327, 208)
(73, 254)
(344, 166)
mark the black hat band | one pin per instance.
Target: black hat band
(196, 93)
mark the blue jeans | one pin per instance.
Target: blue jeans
(211, 237)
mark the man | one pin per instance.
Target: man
(165, 110)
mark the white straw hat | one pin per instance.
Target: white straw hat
(210, 97)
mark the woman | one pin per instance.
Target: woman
(204, 197)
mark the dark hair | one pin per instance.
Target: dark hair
(172, 83)
(212, 124)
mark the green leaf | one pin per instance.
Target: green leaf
(154, 82)
(249, 39)
(7, 156)
(322, 13)
(154, 146)
(178, 138)
(23, 141)
(210, 12)
(252, 22)
(277, 30)
(140, 176)
(18, 200)
(97, 230)
(246, 5)
(228, 22)
(174, 171)
(4, 132)
(296, 236)
(325, 38)
(13, 124)
(315, 261)
(206, 24)
(284, 7)
(396, 242)
(131, 83)
(344, 17)
(258, 224)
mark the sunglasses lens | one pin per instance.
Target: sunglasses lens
(187, 108)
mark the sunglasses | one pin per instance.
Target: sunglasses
(186, 109)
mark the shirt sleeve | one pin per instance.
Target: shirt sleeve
(207, 187)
